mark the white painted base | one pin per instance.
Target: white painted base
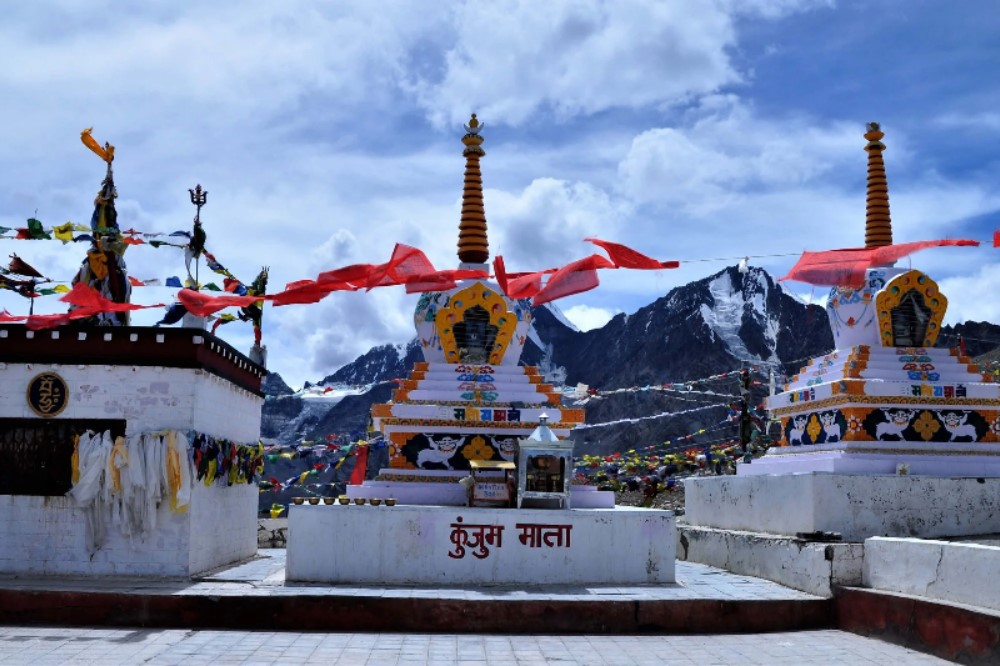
(418, 545)
(857, 506)
(960, 572)
(879, 458)
(815, 568)
(46, 536)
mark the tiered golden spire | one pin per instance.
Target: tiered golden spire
(878, 225)
(473, 246)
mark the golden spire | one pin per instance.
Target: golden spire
(473, 246)
(878, 225)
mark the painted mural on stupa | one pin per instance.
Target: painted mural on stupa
(886, 387)
(469, 399)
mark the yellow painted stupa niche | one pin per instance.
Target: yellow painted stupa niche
(886, 400)
(469, 399)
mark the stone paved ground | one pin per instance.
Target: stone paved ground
(40, 646)
(265, 576)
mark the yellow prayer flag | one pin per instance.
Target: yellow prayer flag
(64, 232)
(108, 155)
(61, 289)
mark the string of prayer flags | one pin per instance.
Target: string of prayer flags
(575, 277)
(87, 302)
(33, 231)
(85, 296)
(846, 268)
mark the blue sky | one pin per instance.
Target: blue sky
(326, 132)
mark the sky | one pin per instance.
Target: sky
(326, 132)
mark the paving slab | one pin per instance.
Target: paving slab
(50, 645)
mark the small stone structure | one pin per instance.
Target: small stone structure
(126, 381)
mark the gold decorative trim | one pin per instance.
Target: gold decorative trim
(476, 294)
(892, 294)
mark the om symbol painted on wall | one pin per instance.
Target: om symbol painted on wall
(47, 394)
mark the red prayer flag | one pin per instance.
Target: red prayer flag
(500, 271)
(441, 280)
(19, 267)
(87, 298)
(526, 285)
(996, 238)
(202, 305)
(307, 291)
(360, 466)
(846, 268)
(39, 322)
(8, 317)
(626, 257)
(405, 262)
(573, 278)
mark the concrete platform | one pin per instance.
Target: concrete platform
(434, 545)
(815, 567)
(255, 595)
(853, 505)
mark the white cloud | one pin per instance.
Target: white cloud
(587, 318)
(511, 60)
(972, 297)
(988, 121)
(544, 225)
(728, 151)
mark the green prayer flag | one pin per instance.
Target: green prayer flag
(35, 230)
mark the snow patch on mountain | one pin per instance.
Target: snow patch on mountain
(559, 315)
(732, 304)
(725, 316)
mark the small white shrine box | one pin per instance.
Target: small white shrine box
(492, 483)
(545, 468)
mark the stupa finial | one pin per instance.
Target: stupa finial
(878, 225)
(473, 245)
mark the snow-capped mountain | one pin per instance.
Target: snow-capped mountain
(699, 329)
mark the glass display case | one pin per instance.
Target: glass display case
(545, 469)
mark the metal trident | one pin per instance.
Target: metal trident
(199, 198)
